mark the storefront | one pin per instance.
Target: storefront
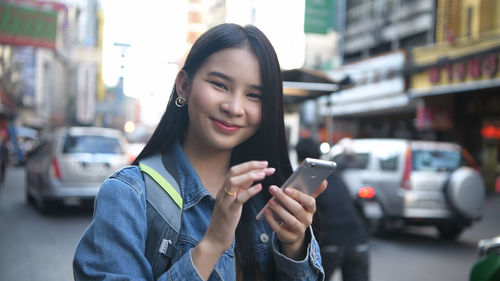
(374, 102)
(457, 89)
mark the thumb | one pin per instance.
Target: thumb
(320, 189)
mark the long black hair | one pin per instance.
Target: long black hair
(268, 143)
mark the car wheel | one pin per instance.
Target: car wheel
(450, 231)
(29, 198)
(43, 205)
(377, 227)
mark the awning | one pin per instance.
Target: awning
(26, 132)
(302, 84)
(455, 88)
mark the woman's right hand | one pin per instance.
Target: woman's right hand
(228, 208)
(236, 190)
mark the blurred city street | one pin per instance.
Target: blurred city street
(412, 87)
(40, 247)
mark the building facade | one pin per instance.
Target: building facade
(49, 66)
(374, 27)
(378, 36)
(55, 58)
(456, 83)
(446, 88)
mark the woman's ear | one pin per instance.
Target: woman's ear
(182, 84)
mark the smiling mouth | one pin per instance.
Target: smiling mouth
(225, 127)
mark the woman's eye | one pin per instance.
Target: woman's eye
(219, 85)
(254, 96)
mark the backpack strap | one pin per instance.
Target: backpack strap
(165, 180)
(164, 210)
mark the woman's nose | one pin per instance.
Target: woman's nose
(233, 106)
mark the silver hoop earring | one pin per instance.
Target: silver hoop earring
(180, 101)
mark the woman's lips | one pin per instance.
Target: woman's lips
(225, 127)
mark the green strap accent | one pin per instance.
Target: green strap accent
(163, 183)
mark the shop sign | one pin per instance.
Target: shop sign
(27, 26)
(434, 117)
(473, 68)
(319, 16)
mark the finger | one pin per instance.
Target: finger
(320, 189)
(293, 200)
(289, 210)
(247, 167)
(305, 201)
(245, 180)
(279, 228)
(271, 220)
(251, 176)
(245, 195)
(282, 213)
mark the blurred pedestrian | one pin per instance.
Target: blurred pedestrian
(343, 240)
(224, 127)
(4, 159)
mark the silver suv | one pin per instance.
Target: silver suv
(70, 164)
(395, 182)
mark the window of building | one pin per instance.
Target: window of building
(469, 21)
(380, 49)
(412, 41)
(352, 57)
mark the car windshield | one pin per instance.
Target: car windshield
(434, 160)
(92, 144)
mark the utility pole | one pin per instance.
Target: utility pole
(123, 47)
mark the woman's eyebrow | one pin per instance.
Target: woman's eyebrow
(220, 75)
(229, 79)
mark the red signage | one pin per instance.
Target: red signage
(490, 132)
(434, 117)
(473, 68)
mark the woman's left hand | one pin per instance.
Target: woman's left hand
(294, 211)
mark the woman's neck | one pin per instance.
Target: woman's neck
(211, 165)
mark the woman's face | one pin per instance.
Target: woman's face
(224, 99)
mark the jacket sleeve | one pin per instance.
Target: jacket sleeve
(309, 268)
(113, 245)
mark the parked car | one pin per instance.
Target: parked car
(397, 182)
(70, 164)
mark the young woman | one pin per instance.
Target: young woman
(224, 127)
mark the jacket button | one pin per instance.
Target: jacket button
(264, 238)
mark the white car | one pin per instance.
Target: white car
(70, 164)
(397, 182)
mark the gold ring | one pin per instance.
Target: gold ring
(232, 194)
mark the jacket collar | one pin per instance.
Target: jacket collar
(192, 188)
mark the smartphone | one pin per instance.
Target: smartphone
(307, 177)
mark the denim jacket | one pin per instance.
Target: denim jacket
(113, 245)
